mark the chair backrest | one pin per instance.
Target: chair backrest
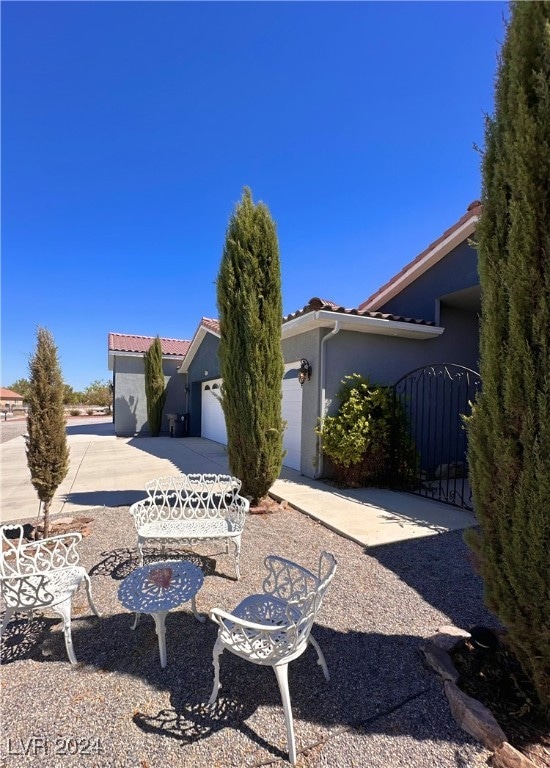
(19, 558)
(301, 589)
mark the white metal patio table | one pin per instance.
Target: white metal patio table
(158, 587)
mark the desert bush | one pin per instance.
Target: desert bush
(366, 439)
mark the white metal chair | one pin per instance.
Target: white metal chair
(41, 574)
(274, 628)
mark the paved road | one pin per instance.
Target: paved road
(12, 428)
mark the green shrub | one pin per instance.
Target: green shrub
(90, 411)
(46, 439)
(250, 311)
(509, 430)
(366, 439)
(74, 412)
(155, 387)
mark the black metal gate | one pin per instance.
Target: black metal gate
(434, 399)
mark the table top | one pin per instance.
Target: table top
(160, 586)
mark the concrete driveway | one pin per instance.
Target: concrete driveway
(111, 471)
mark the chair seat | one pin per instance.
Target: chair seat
(63, 583)
(265, 609)
(260, 649)
(187, 529)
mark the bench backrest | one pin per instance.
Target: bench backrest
(191, 497)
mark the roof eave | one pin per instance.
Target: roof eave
(419, 268)
(359, 324)
(120, 353)
(200, 333)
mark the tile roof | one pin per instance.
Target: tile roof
(210, 324)
(9, 394)
(316, 304)
(473, 210)
(121, 342)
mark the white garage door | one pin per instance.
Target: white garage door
(292, 414)
(213, 420)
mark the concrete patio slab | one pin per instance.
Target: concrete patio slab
(110, 471)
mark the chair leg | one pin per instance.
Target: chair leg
(321, 658)
(281, 672)
(7, 618)
(140, 548)
(217, 652)
(237, 543)
(64, 610)
(89, 593)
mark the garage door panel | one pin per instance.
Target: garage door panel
(213, 419)
(292, 415)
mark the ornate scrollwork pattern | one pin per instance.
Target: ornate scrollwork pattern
(189, 509)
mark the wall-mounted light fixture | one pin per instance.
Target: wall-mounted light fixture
(304, 372)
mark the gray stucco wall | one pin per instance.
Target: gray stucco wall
(206, 359)
(130, 399)
(458, 270)
(384, 359)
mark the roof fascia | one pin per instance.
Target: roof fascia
(418, 268)
(119, 353)
(359, 324)
(200, 333)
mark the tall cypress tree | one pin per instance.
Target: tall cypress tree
(155, 389)
(46, 439)
(509, 430)
(250, 314)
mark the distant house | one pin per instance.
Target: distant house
(9, 400)
(126, 361)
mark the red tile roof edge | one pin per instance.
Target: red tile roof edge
(210, 324)
(315, 305)
(473, 210)
(124, 342)
(9, 393)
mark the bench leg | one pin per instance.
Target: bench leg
(237, 543)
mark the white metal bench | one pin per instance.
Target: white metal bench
(187, 509)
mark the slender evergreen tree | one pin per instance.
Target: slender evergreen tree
(155, 389)
(250, 314)
(46, 439)
(509, 431)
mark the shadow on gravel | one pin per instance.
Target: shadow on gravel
(378, 682)
(119, 563)
(440, 569)
(104, 498)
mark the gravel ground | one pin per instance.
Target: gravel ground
(382, 708)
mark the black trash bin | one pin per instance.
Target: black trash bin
(181, 425)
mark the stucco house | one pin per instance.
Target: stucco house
(10, 400)
(126, 361)
(426, 314)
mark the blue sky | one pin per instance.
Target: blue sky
(129, 130)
